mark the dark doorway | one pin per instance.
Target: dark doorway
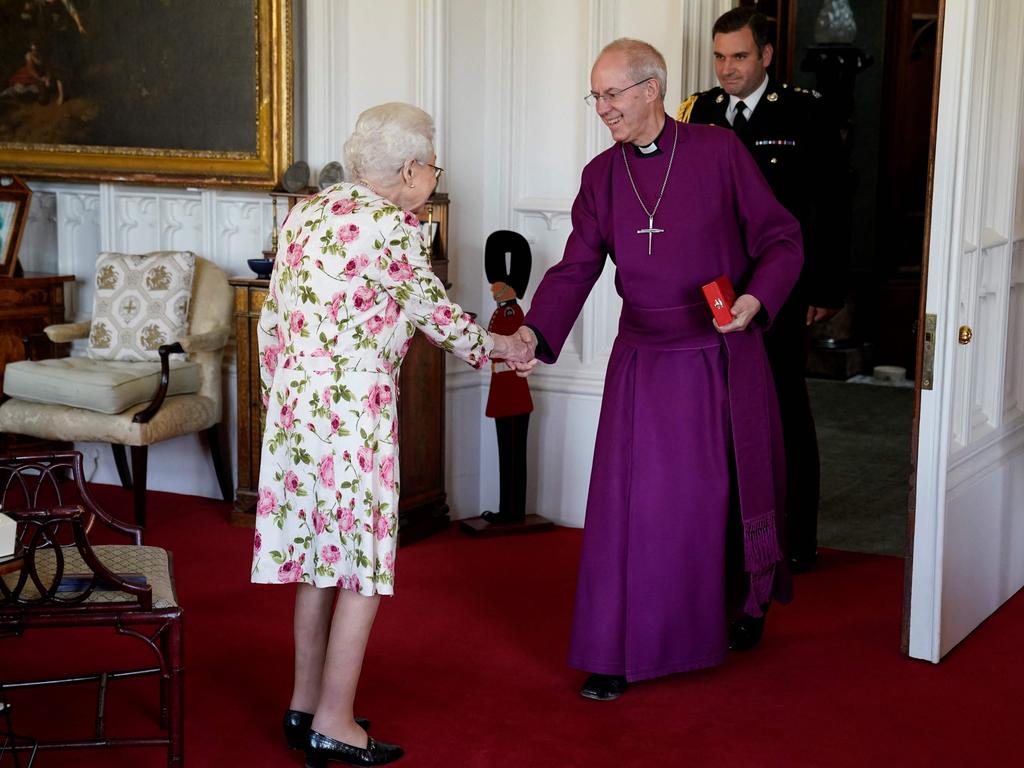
(879, 89)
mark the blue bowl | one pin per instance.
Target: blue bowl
(262, 267)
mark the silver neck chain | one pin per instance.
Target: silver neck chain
(671, 157)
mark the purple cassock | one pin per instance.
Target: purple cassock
(689, 424)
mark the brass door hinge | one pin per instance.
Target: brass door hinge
(928, 363)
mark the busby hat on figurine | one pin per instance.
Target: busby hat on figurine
(516, 271)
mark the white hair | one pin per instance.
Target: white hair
(643, 61)
(385, 137)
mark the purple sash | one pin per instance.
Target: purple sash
(751, 403)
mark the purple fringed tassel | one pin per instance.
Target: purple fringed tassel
(761, 552)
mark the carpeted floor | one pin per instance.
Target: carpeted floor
(864, 442)
(466, 669)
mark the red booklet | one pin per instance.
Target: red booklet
(720, 297)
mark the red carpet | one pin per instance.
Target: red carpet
(466, 667)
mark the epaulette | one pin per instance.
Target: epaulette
(683, 115)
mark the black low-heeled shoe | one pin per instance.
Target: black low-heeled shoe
(745, 632)
(320, 750)
(297, 725)
(603, 687)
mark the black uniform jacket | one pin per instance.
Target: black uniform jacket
(800, 155)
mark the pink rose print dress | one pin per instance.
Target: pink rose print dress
(351, 285)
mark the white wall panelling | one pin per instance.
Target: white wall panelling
(432, 43)
(38, 250)
(327, 75)
(382, 53)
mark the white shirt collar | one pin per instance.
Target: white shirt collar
(751, 101)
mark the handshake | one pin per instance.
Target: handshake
(518, 351)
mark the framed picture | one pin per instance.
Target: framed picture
(14, 201)
(186, 92)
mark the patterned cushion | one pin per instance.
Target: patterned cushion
(141, 302)
(151, 562)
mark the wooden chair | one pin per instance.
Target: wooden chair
(58, 579)
(131, 404)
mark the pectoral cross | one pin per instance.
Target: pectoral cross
(651, 231)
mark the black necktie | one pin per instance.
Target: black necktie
(739, 122)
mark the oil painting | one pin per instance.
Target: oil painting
(146, 90)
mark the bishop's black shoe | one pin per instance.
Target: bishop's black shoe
(803, 563)
(745, 632)
(297, 725)
(603, 687)
(321, 750)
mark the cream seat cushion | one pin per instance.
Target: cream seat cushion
(104, 386)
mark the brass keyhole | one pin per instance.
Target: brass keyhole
(965, 335)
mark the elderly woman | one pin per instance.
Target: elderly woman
(350, 287)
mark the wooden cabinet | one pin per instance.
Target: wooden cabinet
(249, 412)
(28, 304)
(423, 508)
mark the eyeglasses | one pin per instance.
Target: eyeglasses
(610, 96)
(437, 170)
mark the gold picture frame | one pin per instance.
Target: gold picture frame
(157, 92)
(15, 198)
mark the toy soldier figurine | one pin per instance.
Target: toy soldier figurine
(508, 402)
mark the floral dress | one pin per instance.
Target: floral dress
(350, 287)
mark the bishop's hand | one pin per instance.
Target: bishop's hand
(744, 309)
(524, 368)
(515, 349)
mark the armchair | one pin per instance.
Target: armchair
(127, 403)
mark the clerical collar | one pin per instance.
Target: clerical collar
(653, 149)
(750, 102)
(507, 302)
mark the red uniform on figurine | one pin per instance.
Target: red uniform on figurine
(510, 394)
(507, 264)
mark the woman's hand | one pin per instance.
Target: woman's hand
(518, 350)
(744, 309)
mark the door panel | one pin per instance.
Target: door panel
(968, 547)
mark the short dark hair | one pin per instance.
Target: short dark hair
(738, 18)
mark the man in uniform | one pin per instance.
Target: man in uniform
(689, 428)
(786, 131)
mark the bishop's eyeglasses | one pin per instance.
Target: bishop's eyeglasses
(610, 96)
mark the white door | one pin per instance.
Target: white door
(968, 542)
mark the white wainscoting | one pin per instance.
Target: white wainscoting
(504, 80)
